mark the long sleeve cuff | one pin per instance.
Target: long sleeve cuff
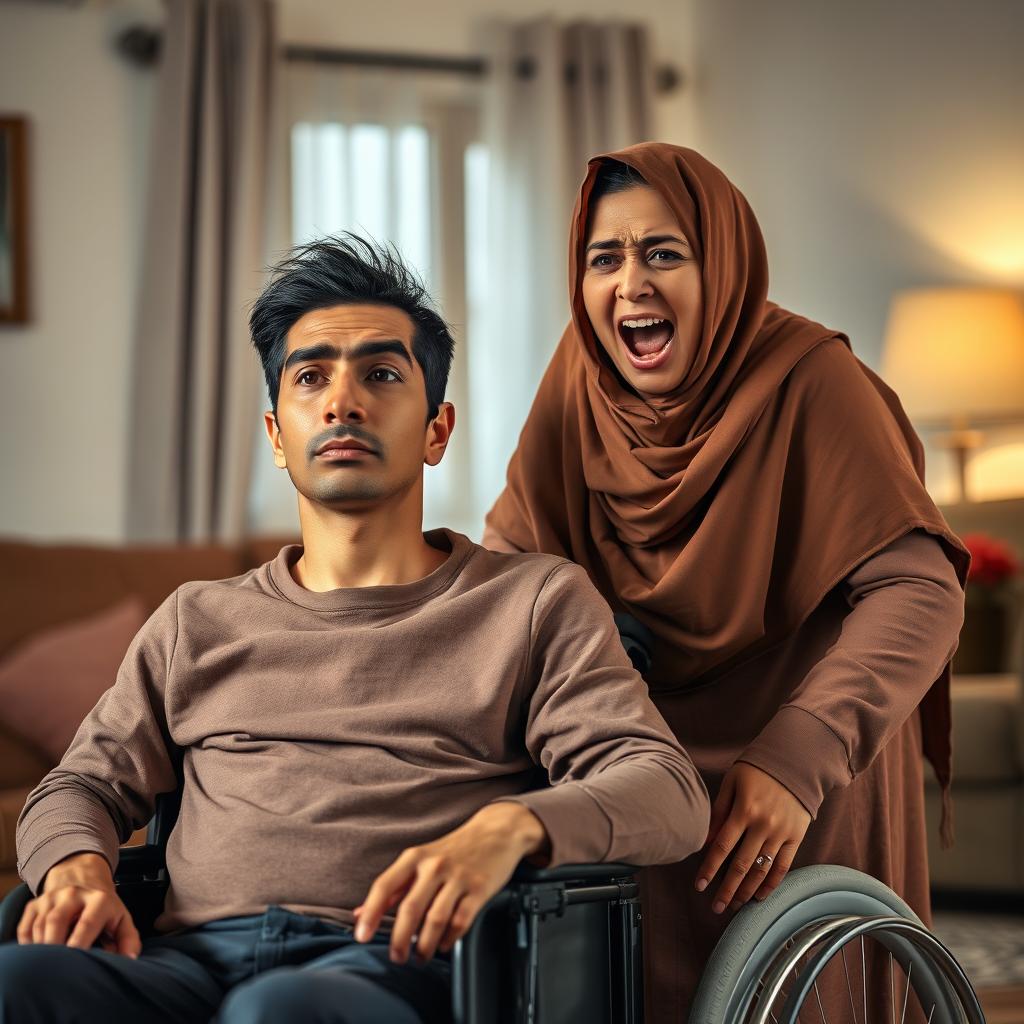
(54, 850)
(578, 829)
(800, 751)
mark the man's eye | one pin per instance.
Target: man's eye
(381, 375)
(301, 379)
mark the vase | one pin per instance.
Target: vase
(985, 633)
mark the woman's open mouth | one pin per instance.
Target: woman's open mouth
(647, 340)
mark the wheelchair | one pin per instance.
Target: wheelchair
(563, 945)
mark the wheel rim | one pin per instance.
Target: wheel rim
(940, 987)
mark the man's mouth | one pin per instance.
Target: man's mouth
(647, 340)
(343, 450)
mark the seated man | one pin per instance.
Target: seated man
(356, 726)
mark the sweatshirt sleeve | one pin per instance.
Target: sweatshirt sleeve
(622, 788)
(121, 758)
(907, 608)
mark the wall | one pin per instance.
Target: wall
(64, 385)
(880, 144)
(64, 380)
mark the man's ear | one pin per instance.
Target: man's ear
(439, 432)
(274, 435)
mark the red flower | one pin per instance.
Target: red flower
(992, 560)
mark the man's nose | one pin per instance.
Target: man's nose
(345, 401)
(634, 280)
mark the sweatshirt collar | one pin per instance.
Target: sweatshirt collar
(389, 596)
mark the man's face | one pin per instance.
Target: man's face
(351, 425)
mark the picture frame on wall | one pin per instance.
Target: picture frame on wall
(14, 289)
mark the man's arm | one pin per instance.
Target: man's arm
(623, 787)
(103, 789)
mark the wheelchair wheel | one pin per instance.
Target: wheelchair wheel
(768, 964)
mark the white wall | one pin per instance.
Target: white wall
(881, 145)
(64, 377)
(64, 382)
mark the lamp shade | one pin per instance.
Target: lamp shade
(955, 356)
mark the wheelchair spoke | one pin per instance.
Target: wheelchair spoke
(849, 987)
(821, 1010)
(892, 991)
(864, 975)
(906, 992)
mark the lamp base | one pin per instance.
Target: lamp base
(960, 443)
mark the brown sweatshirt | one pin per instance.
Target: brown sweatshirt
(319, 734)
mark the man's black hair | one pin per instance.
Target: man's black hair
(614, 176)
(347, 269)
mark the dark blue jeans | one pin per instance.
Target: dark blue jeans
(271, 967)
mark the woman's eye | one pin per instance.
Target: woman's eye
(603, 259)
(664, 256)
(302, 377)
(381, 375)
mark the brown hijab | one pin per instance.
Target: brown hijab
(719, 514)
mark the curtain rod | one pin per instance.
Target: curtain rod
(141, 46)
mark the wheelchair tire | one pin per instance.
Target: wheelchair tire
(759, 931)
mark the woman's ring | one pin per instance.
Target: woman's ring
(762, 858)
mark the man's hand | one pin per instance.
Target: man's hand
(442, 885)
(77, 905)
(762, 821)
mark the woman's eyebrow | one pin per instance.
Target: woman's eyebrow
(615, 243)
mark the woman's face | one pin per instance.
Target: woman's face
(642, 289)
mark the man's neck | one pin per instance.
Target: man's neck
(380, 547)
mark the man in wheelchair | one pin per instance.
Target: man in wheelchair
(362, 730)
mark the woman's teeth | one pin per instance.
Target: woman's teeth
(648, 322)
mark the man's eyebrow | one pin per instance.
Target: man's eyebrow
(365, 349)
(616, 243)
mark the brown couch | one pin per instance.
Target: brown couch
(44, 585)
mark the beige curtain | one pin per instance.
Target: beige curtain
(556, 95)
(195, 376)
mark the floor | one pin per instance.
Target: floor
(990, 948)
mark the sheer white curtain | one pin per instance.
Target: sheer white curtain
(556, 95)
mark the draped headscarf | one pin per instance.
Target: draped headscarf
(721, 513)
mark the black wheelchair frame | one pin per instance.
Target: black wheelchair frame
(557, 945)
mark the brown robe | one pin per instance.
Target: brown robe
(731, 516)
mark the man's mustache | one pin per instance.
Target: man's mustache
(339, 434)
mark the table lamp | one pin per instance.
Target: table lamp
(955, 357)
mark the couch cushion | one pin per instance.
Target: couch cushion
(47, 584)
(21, 764)
(11, 803)
(988, 729)
(51, 682)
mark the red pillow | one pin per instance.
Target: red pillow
(52, 680)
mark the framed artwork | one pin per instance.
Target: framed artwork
(13, 220)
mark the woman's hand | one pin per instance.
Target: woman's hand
(762, 821)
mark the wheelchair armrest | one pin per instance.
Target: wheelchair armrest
(528, 873)
(135, 861)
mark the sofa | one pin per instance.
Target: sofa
(46, 586)
(988, 790)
